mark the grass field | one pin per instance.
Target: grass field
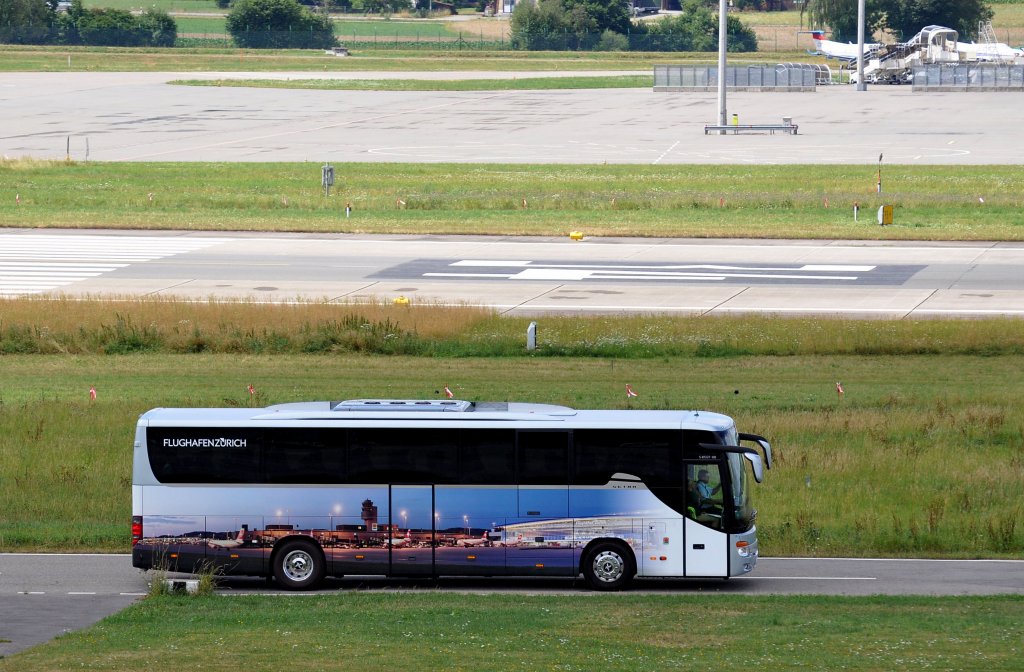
(517, 84)
(932, 202)
(422, 632)
(922, 457)
(354, 29)
(21, 58)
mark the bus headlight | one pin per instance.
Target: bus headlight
(744, 549)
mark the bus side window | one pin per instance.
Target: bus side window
(304, 456)
(486, 456)
(543, 457)
(402, 456)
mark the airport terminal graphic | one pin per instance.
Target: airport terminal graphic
(411, 540)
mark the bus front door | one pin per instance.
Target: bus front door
(411, 530)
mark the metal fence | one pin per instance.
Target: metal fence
(783, 77)
(969, 77)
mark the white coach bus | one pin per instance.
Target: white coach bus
(301, 491)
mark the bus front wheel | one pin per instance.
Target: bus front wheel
(609, 566)
(299, 565)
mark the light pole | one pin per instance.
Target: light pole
(465, 519)
(722, 21)
(861, 12)
(405, 518)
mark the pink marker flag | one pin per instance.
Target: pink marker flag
(839, 389)
(92, 393)
(252, 390)
(629, 391)
(448, 392)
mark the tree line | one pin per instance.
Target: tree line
(39, 22)
(606, 25)
(902, 18)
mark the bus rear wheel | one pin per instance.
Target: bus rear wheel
(609, 566)
(299, 565)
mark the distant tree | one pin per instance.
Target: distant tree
(906, 17)
(280, 24)
(601, 14)
(840, 16)
(903, 18)
(110, 27)
(538, 26)
(566, 24)
(612, 41)
(696, 29)
(25, 21)
(160, 28)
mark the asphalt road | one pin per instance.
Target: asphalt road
(139, 117)
(44, 595)
(529, 276)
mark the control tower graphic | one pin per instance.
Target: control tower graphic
(369, 514)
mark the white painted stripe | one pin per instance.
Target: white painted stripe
(15, 265)
(67, 555)
(631, 247)
(837, 268)
(491, 263)
(848, 559)
(35, 275)
(133, 594)
(504, 276)
(655, 267)
(813, 578)
(80, 593)
(31, 263)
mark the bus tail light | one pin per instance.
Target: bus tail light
(136, 529)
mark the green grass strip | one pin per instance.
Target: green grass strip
(425, 632)
(791, 201)
(513, 84)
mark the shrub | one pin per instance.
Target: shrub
(278, 24)
(159, 27)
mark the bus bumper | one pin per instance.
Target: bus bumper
(742, 552)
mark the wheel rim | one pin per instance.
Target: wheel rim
(608, 566)
(298, 566)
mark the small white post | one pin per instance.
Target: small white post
(531, 336)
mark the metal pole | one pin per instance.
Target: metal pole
(861, 84)
(722, 21)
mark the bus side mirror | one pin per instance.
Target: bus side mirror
(755, 464)
(766, 447)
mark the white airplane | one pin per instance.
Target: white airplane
(988, 51)
(401, 542)
(228, 543)
(843, 52)
(478, 541)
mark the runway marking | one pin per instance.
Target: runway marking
(814, 578)
(666, 152)
(530, 270)
(37, 263)
(80, 593)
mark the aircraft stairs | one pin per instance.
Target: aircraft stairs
(894, 63)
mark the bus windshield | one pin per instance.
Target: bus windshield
(740, 480)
